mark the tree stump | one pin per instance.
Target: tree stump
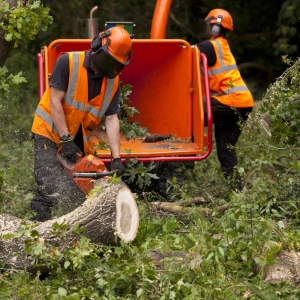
(108, 216)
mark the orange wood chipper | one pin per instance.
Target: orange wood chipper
(166, 90)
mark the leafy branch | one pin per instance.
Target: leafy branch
(23, 23)
(280, 107)
(139, 173)
(9, 81)
(131, 129)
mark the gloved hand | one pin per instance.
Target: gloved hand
(69, 150)
(117, 165)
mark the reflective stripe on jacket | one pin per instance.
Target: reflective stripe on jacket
(225, 81)
(77, 109)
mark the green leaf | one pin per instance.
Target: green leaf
(66, 264)
(62, 292)
(139, 292)
(118, 251)
(221, 251)
(210, 256)
(8, 236)
(9, 37)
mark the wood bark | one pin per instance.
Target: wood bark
(108, 217)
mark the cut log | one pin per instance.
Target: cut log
(287, 268)
(108, 216)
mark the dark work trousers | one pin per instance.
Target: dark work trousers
(55, 188)
(227, 126)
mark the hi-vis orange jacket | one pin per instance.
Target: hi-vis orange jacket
(225, 81)
(78, 110)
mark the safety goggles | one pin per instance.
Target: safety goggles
(106, 64)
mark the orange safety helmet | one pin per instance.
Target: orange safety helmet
(111, 51)
(120, 43)
(226, 20)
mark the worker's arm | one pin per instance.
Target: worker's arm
(57, 112)
(112, 126)
(207, 48)
(69, 148)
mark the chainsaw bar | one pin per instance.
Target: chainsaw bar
(93, 174)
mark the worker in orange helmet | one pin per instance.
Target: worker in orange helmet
(231, 99)
(84, 86)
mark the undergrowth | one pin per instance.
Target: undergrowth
(221, 256)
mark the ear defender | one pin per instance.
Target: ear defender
(97, 41)
(216, 28)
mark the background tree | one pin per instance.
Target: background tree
(20, 21)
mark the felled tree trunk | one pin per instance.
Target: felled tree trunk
(108, 215)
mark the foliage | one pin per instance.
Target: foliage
(131, 129)
(20, 24)
(282, 103)
(9, 81)
(23, 23)
(288, 28)
(140, 174)
(16, 175)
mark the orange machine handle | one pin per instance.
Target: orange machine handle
(41, 85)
(160, 19)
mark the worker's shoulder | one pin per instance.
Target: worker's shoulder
(63, 59)
(205, 45)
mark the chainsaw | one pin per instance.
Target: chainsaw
(85, 170)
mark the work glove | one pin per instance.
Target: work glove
(69, 150)
(117, 165)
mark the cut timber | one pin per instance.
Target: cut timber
(110, 214)
(179, 208)
(127, 216)
(286, 268)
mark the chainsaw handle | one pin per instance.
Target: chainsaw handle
(93, 174)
